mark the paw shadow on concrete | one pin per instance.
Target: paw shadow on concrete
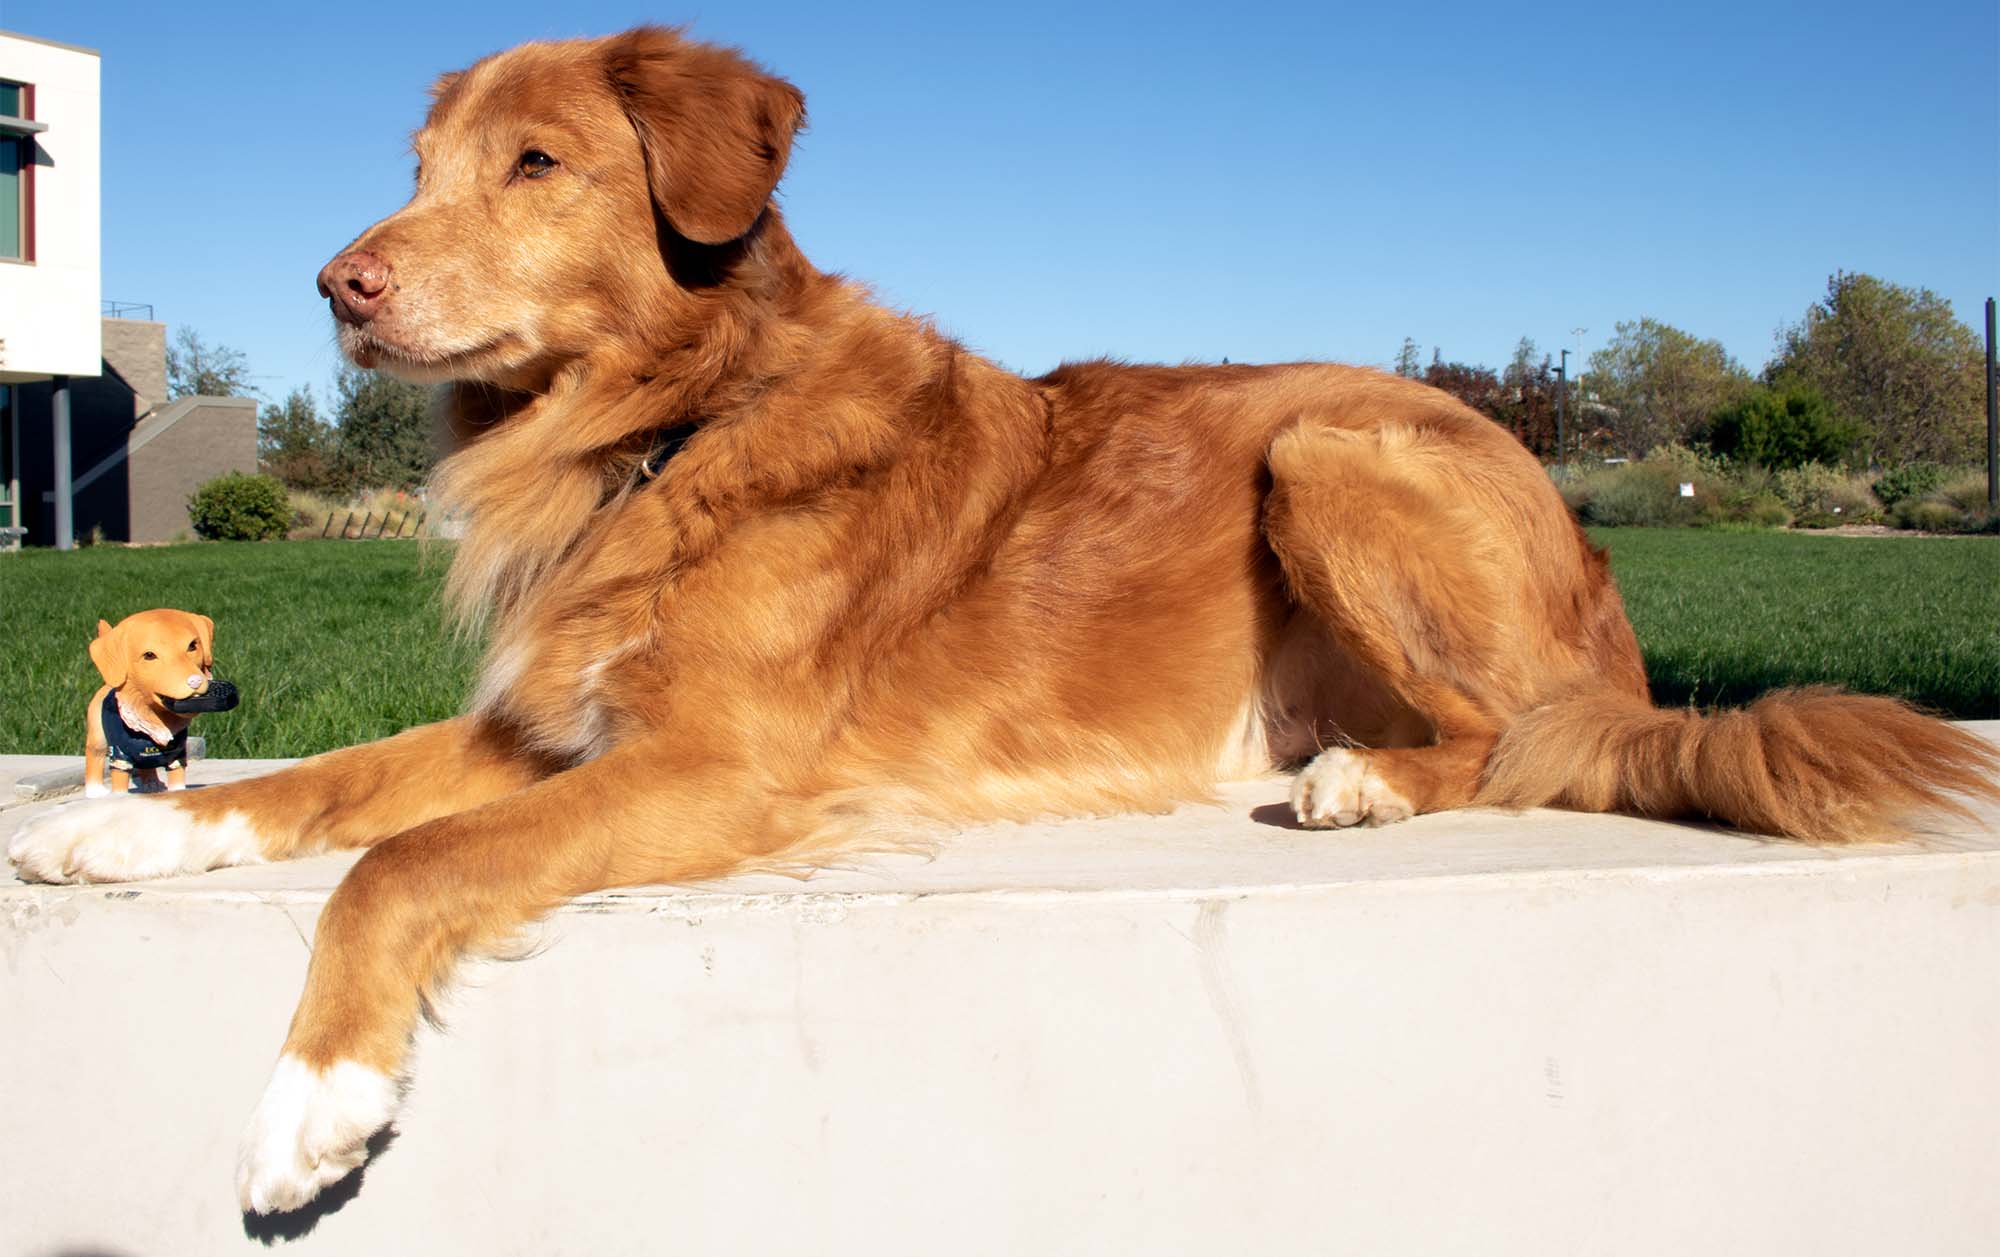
(1278, 814)
(269, 1228)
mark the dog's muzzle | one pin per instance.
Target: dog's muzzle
(219, 696)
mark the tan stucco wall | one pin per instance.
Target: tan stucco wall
(216, 436)
(137, 350)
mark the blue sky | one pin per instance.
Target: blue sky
(1262, 182)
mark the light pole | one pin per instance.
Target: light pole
(1562, 400)
(1992, 419)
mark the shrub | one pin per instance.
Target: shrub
(1787, 427)
(1966, 490)
(1636, 495)
(1929, 515)
(1647, 493)
(1812, 490)
(1685, 463)
(1911, 480)
(240, 507)
(1766, 510)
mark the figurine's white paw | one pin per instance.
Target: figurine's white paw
(126, 839)
(1339, 789)
(310, 1130)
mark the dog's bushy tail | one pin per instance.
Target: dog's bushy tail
(1817, 763)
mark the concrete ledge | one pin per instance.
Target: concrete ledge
(47, 776)
(1199, 1033)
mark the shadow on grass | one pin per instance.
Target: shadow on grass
(1739, 681)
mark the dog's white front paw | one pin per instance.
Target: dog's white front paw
(1339, 788)
(96, 790)
(126, 839)
(310, 1130)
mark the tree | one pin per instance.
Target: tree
(1407, 362)
(1527, 400)
(1476, 386)
(385, 431)
(1782, 427)
(1893, 361)
(297, 446)
(1659, 384)
(198, 369)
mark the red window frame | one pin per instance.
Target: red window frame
(28, 177)
(27, 143)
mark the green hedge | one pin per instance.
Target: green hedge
(240, 507)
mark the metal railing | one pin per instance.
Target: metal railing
(128, 310)
(348, 532)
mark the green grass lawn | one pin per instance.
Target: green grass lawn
(331, 642)
(338, 642)
(1724, 616)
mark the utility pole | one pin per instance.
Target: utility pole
(1562, 408)
(1992, 421)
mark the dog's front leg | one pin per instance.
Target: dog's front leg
(345, 798)
(393, 929)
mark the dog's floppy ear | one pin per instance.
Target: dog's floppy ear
(204, 636)
(716, 130)
(108, 653)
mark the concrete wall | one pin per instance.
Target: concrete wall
(1202, 1033)
(135, 351)
(208, 437)
(49, 322)
(132, 481)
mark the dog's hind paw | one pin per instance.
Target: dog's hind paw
(1340, 788)
(126, 839)
(310, 1130)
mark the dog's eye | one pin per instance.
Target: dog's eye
(190, 648)
(149, 655)
(535, 163)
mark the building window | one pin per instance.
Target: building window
(17, 156)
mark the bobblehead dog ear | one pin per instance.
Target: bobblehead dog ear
(107, 651)
(204, 636)
(715, 129)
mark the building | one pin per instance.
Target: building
(135, 457)
(89, 444)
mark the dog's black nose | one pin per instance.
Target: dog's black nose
(355, 282)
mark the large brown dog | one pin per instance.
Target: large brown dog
(772, 572)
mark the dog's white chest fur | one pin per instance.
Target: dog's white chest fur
(572, 715)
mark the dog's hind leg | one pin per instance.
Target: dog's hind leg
(394, 928)
(1380, 535)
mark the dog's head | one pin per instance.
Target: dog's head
(163, 653)
(554, 183)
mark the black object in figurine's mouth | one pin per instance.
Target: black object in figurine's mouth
(219, 696)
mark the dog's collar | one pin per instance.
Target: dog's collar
(666, 443)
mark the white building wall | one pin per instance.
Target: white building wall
(49, 308)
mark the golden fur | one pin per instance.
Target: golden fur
(886, 582)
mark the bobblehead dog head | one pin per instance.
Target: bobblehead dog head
(164, 655)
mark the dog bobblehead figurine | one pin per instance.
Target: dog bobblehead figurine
(158, 669)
